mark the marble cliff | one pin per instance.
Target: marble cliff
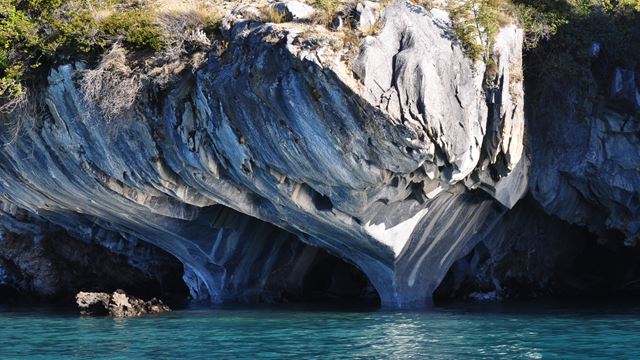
(408, 161)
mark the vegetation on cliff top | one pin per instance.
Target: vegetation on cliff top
(37, 34)
(477, 22)
(577, 45)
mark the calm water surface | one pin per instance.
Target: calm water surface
(275, 333)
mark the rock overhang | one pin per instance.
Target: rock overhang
(369, 169)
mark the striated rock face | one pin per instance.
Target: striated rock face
(400, 166)
(117, 304)
(461, 121)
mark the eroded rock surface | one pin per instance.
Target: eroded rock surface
(399, 170)
(586, 168)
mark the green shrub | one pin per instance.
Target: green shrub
(539, 24)
(476, 24)
(37, 32)
(211, 24)
(136, 27)
(577, 25)
(630, 4)
(560, 39)
(34, 32)
(74, 30)
(18, 39)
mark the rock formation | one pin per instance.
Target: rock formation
(399, 170)
(400, 160)
(576, 234)
(118, 304)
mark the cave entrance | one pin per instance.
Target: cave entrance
(330, 280)
(258, 262)
(550, 260)
(255, 261)
(51, 266)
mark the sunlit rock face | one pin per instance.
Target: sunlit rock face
(400, 166)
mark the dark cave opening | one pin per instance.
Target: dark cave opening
(263, 264)
(542, 258)
(330, 280)
(92, 267)
(321, 202)
(266, 264)
(53, 267)
(604, 268)
(10, 295)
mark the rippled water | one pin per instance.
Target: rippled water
(452, 333)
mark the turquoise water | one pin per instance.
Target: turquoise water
(450, 333)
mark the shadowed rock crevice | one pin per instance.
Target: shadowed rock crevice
(255, 262)
(41, 262)
(551, 259)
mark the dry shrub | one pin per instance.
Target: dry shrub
(324, 18)
(184, 26)
(185, 23)
(375, 29)
(112, 86)
(18, 114)
(327, 11)
(14, 104)
(269, 14)
(427, 4)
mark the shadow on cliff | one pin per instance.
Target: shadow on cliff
(572, 248)
(51, 267)
(551, 260)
